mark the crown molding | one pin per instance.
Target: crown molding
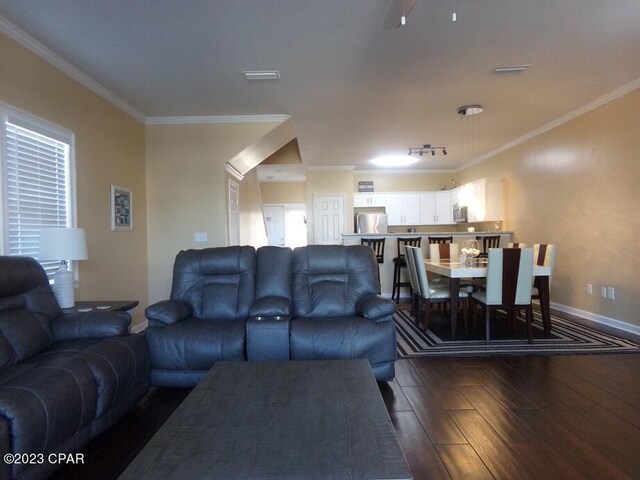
(331, 167)
(233, 171)
(400, 172)
(598, 102)
(57, 61)
(203, 120)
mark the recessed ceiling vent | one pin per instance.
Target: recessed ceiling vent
(261, 74)
(510, 69)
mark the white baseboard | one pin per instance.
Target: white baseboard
(139, 327)
(601, 319)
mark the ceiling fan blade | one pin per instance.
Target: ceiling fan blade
(395, 10)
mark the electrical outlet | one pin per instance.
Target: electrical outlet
(589, 289)
(611, 293)
(603, 292)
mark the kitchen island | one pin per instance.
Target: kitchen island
(391, 249)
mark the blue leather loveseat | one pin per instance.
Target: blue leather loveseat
(63, 378)
(232, 303)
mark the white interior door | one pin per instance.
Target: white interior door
(328, 219)
(274, 218)
(295, 225)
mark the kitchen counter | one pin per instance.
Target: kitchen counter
(391, 249)
(427, 234)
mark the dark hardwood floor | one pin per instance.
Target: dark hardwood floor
(562, 417)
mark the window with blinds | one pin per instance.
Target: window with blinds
(36, 188)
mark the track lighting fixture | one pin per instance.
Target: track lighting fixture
(426, 149)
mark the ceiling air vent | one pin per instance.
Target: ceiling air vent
(261, 74)
(510, 69)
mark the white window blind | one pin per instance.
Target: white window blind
(37, 189)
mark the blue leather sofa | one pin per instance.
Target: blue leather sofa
(63, 378)
(337, 310)
(233, 303)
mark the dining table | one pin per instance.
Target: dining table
(477, 268)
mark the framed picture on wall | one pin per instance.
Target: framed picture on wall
(121, 208)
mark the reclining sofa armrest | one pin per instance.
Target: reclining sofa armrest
(73, 326)
(271, 307)
(376, 308)
(168, 312)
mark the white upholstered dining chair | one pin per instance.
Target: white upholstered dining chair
(441, 251)
(428, 294)
(508, 287)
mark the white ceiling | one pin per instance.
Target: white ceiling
(354, 89)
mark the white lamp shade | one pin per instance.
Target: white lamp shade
(60, 243)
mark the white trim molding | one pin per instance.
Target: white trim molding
(331, 167)
(600, 319)
(233, 171)
(598, 102)
(204, 120)
(57, 61)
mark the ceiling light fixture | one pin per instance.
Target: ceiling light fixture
(470, 110)
(510, 69)
(394, 160)
(426, 149)
(261, 74)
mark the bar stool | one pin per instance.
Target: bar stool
(440, 240)
(399, 262)
(377, 244)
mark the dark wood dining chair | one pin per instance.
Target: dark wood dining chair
(440, 239)
(399, 263)
(488, 241)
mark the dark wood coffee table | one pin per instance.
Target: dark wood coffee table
(277, 420)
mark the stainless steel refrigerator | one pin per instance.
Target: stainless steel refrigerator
(371, 223)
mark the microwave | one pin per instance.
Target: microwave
(459, 214)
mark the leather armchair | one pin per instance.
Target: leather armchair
(338, 312)
(63, 378)
(204, 320)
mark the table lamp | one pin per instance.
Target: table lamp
(65, 244)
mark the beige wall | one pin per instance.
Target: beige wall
(404, 182)
(289, 154)
(284, 192)
(577, 186)
(252, 227)
(187, 190)
(109, 150)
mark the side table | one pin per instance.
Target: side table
(103, 306)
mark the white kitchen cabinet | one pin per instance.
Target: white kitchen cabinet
(435, 208)
(484, 199)
(364, 200)
(403, 208)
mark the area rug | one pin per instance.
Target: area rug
(568, 337)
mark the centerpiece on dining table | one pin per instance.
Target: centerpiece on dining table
(469, 251)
